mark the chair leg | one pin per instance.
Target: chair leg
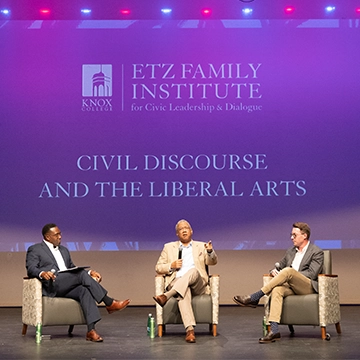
(291, 329)
(71, 328)
(323, 332)
(160, 330)
(24, 330)
(338, 328)
(213, 327)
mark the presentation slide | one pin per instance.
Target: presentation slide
(115, 130)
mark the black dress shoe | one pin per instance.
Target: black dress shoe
(269, 338)
(245, 301)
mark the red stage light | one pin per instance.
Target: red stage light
(289, 9)
(357, 10)
(125, 11)
(44, 11)
(206, 11)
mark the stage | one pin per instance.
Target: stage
(125, 337)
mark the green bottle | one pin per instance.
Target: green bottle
(152, 328)
(148, 324)
(38, 333)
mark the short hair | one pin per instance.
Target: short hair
(46, 228)
(182, 220)
(303, 227)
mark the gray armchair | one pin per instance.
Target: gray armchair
(47, 311)
(320, 309)
(205, 307)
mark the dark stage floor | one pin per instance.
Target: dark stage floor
(125, 337)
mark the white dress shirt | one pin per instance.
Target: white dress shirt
(187, 258)
(57, 255)
(298, 257)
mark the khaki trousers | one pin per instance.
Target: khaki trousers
(190, 284)
(287, 282)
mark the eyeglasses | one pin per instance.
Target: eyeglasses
(294, 236)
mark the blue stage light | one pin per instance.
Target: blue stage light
(166, 11)
(86, 11)
(5, 11)
(330, 8)
(247, 11)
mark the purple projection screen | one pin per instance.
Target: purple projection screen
(115, 130)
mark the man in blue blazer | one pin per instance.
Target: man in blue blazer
(296, 274)
(49, 261)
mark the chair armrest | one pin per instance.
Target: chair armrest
(214, 282)
(32, 302)
(215, 297)
(159, 284)
(329, 299)
(159, 289)
(266, 299)
(266, 279)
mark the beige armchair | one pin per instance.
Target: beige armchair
(320, 309)
(47, 311)
(206, 307)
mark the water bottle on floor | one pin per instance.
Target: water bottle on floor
(152, 328)
(264, 326)
(148, 324)
(38, 333)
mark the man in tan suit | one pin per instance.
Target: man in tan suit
(184, 264)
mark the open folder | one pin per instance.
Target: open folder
(74, 268)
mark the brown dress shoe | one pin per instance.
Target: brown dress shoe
(245, 301)
(190, 336)
(117, 306)
(161, 299)
(93, 336)
(269, 338)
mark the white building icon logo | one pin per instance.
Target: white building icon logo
(96, 80)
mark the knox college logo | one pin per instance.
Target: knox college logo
(96, 87)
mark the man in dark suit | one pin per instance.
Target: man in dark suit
(296, 274)
(47, 261)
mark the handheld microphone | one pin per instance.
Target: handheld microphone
(53, 271)
(180, 252)
(277, 266)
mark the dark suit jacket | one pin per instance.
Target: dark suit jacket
(39, 258)
(311, 264)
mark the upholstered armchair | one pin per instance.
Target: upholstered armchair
(47, 311)
(206, 307)
(320, 309)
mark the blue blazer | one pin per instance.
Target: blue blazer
(39, 258)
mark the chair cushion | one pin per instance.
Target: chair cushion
(202, 307)
(300, 310)
(61, 311)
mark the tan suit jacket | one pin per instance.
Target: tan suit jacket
(170, 253)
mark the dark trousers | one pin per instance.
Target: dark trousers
(80, 286)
